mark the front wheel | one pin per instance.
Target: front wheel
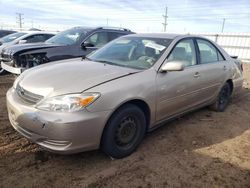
(223, 99)
(124, 131)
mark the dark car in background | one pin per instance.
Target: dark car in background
(6, 32)
(72, 43)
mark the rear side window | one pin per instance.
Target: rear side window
(47, 36)
(37, 38)
(208, 52)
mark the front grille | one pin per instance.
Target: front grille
(27, 96)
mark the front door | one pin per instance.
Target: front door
(177, 90)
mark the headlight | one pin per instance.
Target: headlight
(18, 79)
(36, 59)
(68, 103)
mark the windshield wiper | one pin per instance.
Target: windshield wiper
(84, 57)
(106, 62)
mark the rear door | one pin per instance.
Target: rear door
(213, 69)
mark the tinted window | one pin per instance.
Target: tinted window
(208, 52)
(4, 33)
(37, 38)
(184, 51)
(48, 36)
(134, 52)
(98, 39)
(113, 35)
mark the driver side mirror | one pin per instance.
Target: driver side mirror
(86, 45)
(22, 41)
(172, 66)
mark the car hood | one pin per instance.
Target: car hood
(25, 47)
(70, 76)
(3, 46)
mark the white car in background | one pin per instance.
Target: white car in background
(23, 37)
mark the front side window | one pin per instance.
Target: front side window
(184, 52)
(208, 52)
(98, 39)
(134, 52)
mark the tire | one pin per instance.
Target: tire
(124, 131)
(223, 98)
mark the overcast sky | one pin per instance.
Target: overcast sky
(137, 15)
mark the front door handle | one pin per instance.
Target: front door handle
(197, 75)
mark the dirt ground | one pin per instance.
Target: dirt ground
(202, 149)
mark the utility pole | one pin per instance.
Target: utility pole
(165, 19)
(107, 22)
(20, 20)
(223, 25)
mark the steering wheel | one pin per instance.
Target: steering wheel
(147, 60)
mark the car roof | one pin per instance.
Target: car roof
(6, 30)
(163, 35)
(104, 28)
(37, 32)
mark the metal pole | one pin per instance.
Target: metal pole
(223, 25)
(165, 19)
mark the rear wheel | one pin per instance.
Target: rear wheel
(223, 99)
(124, 131)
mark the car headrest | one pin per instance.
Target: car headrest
(150, 52)
(179, 53)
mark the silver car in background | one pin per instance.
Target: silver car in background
(110, 99)
(22, 37)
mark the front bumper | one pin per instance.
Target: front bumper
(9, 67)
(58, 132)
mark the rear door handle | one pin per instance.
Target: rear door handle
(197, 75)
(225, 67)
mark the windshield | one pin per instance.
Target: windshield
(68, 37)
(12, 37)
(134, 52)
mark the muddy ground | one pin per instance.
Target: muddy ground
(202, 149)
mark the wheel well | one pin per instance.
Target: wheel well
(139, 103)
(142, 105)
(230, 82)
